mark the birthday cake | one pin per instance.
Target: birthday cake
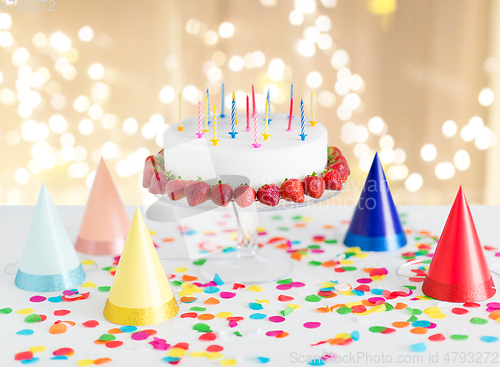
(287, 165)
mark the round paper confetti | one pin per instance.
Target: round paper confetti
(419, 347)
(312, 325)
(276, 319)
(38, 299)
(25, 332)
(489, 339)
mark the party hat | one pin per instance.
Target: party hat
(141, 293)
(105, 222)
(375, 225)
(459, 271)
(49, 261)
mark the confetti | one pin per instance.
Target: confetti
(276, 319)
(478, 321)
(104, 288)
(459, 311)
(181, 270)
(489, 339)
(312, 325)
(437, 337)
(37, 299)
(114, 344)
(141, 335)
(58, 329)
(128, 329)
(5, 311)
(64, 352)
(458, 337)
(90, 323)
(206, 317)
(212, 301)
(208, 336)
(419, 347)
(227, 295)
(313, 298)
(25, 332)
(89, 285)
(228, 362)
(25, 311)
(254, 288)
(33, 318)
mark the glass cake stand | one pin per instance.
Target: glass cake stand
(248, 264)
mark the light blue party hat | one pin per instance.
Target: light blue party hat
(49, 261)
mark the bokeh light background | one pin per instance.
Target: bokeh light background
(414, 80)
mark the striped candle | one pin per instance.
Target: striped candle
(269, 103)
(199, 133)
(207, 112)
(255, 131)
(233, 116)
(302, 121)
(253, 101)
(214, 128)
(266, 122)
(235, 112)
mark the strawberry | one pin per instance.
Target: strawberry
(148, 172)
(221, 194)
(335, 155)
(244, 195)
(196, 192)
(313, 186)
(175, 189)
(291, 190)
(158, 183)
(342, 168)
(269, 195)
(332, 179)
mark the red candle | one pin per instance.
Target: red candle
(253, 100)
(290, 116)
(248, 114)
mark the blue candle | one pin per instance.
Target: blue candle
(222, 114)
(302, 121)
(233, 117)
(269, 104)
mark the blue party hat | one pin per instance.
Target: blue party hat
(375, 225)
(49, 261)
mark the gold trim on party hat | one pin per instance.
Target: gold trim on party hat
(140, 316)
(141, 293)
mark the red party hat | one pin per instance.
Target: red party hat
(459, 271)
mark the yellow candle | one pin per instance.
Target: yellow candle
(180, 128)
(214, 128)
(313, 122)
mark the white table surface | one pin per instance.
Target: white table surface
(289, 351)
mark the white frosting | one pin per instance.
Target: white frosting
(283, 155)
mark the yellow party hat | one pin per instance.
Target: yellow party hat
(141, 293)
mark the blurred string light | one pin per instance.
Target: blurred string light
(414, 182)
(461, 160)
(226, 30)
(428, 152)
(445, 171)
(486, 97)
(86, 34)
(449, 129)
(382, 7)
